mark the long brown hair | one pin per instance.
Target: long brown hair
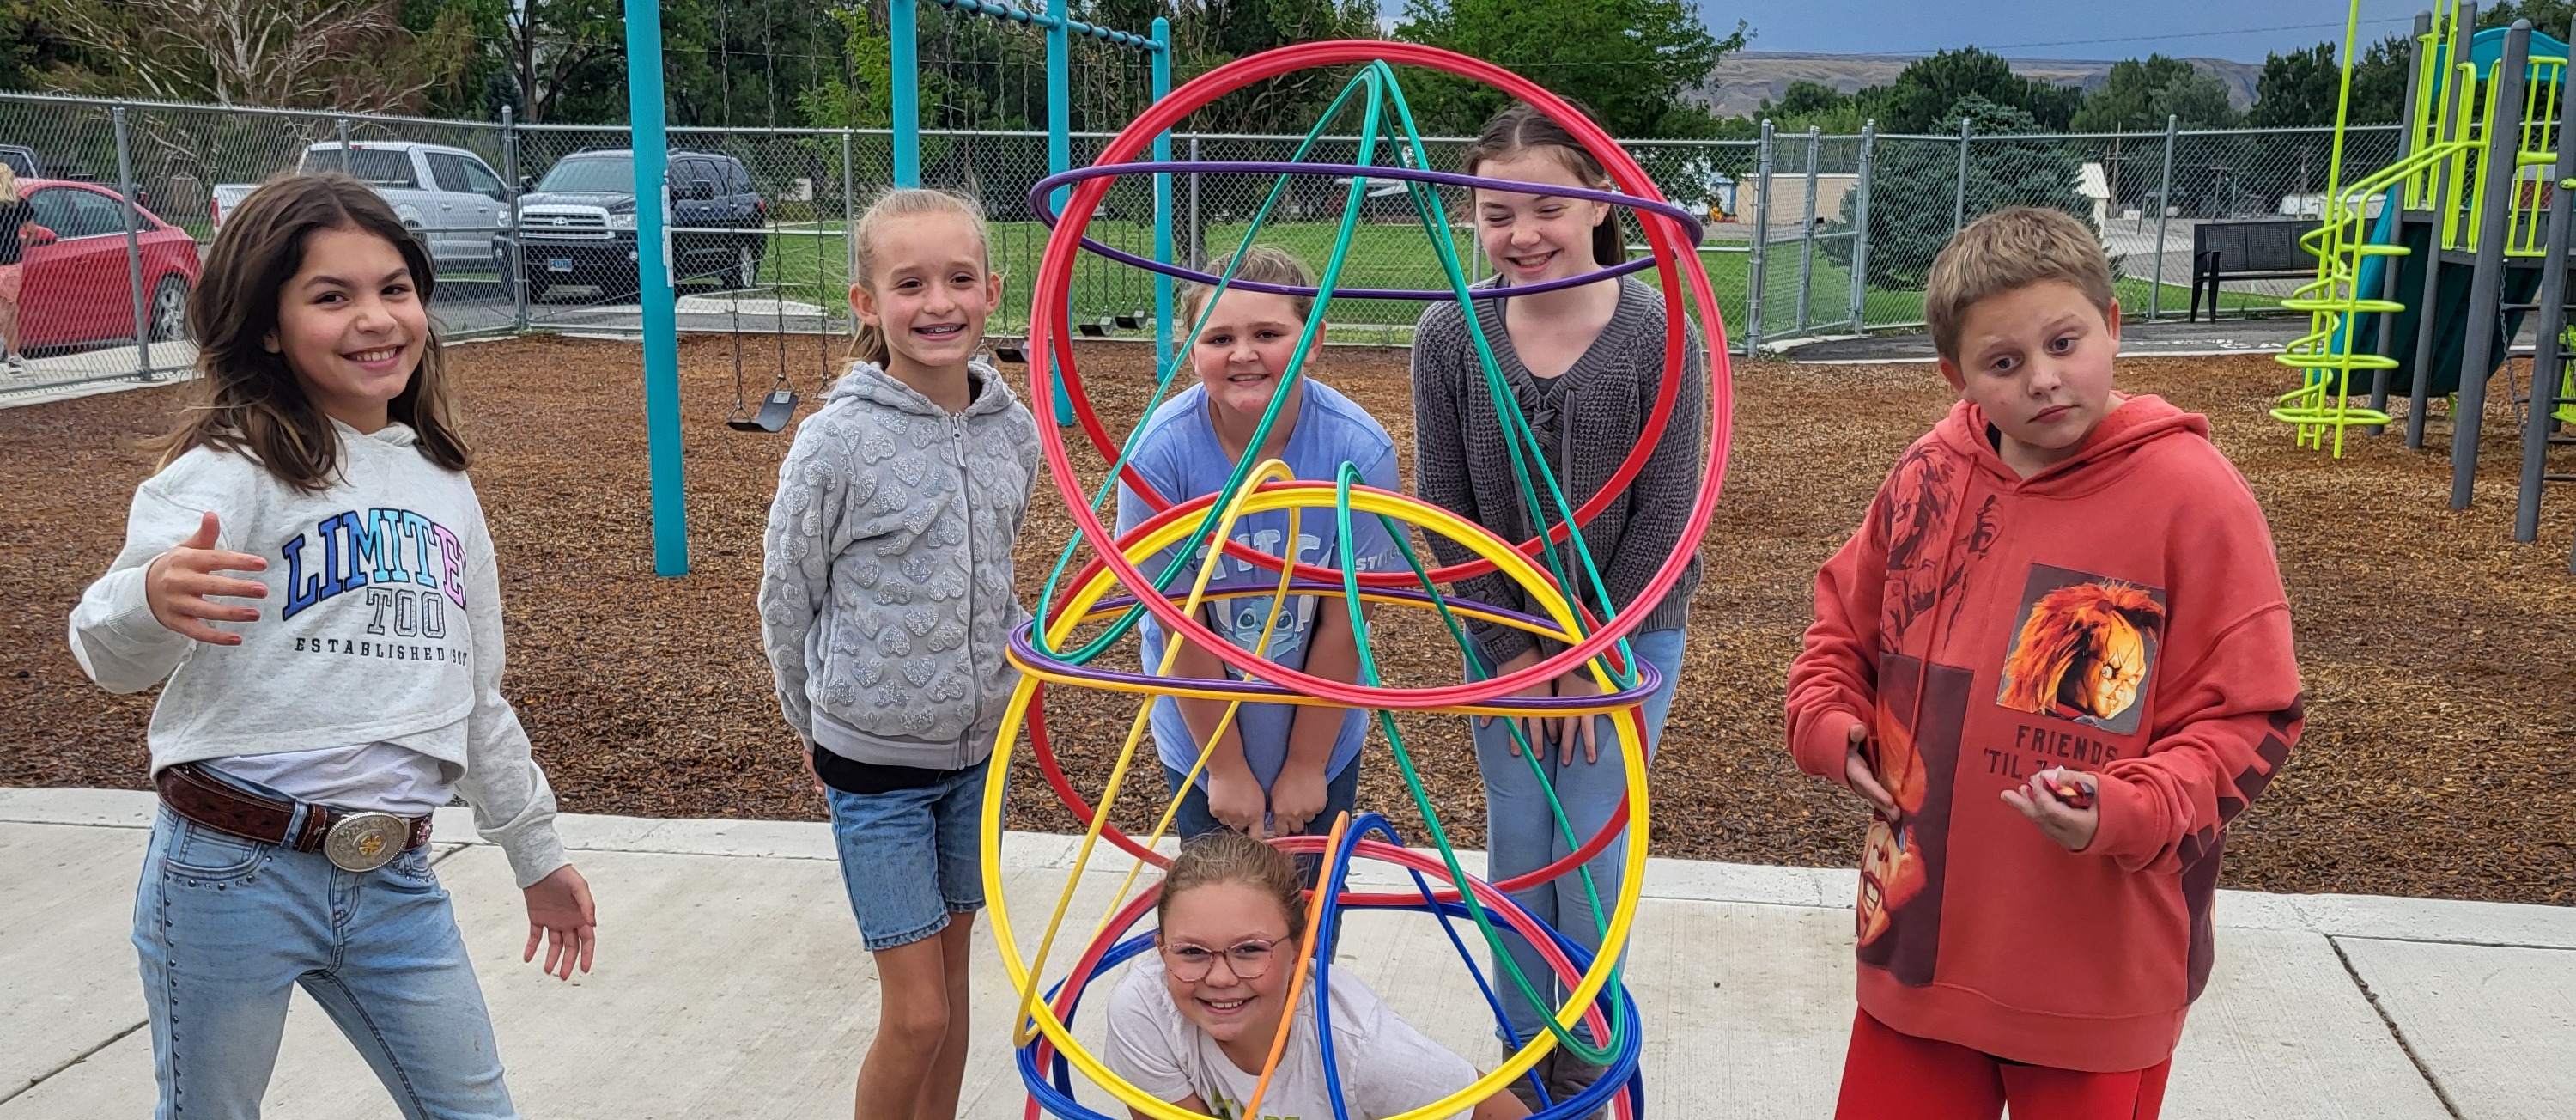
(870, 345)
(246, 399)
(1522, 128)
(1227, 856)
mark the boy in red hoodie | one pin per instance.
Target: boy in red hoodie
(2056, 661)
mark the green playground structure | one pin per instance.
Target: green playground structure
(2427, 267)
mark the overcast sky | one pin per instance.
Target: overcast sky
(2245, 30)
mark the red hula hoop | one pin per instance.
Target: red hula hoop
(1051, 347)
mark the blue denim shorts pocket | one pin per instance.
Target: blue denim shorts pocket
(204, 856)
(912, 857)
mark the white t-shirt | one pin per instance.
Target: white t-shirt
(383, 777)
(1386, 1066)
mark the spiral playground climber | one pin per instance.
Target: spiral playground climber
(1157, 578)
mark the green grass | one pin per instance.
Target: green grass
(811, 268)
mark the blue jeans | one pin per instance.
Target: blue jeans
(911, 857)
(225, 926)
(1341, 792)
(1521, 834)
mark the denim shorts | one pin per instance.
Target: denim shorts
(912, 857)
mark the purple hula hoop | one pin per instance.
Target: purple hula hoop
(1040, 205)
(1253, 691)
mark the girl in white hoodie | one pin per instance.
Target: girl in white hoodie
(310, 571)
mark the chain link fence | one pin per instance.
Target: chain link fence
(533, 225)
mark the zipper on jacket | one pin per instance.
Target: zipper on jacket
(974, 671)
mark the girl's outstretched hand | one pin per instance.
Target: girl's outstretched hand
(2057, 818)
(177, 583)
(561, 915)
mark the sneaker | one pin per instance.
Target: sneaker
(15, 361)
(1571, 1076)
(1544, 1071)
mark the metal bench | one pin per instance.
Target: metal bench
(2268, 249)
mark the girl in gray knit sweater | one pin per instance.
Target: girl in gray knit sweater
(1584, 364)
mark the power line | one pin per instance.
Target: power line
(2183, 35)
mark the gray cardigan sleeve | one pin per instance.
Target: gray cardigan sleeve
(1660, 499)
(1444, 372)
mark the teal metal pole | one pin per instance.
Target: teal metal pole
(1162, 194)
(903, 30)
(652, 154)
(1060, 146)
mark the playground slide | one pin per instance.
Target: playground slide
(2450, 302)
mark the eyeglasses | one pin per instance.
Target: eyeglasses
(1247, 960)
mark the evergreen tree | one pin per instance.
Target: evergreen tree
(2141, 94)
(1922, 96)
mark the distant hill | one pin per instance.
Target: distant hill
(1743, 81)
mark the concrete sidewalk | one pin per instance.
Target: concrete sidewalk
(730, 984)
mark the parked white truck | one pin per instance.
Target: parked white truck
(449, 195)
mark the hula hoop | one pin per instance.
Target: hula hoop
(1042, 205)
(1051, 349)
(1041, 1016)
(1565, 958)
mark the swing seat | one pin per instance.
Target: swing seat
(1010, 353)
(1130, 322)
(1094, 330)
(775, 411)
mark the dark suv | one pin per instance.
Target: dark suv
(577, 225)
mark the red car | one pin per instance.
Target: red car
(76, 288)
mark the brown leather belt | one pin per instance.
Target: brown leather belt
(357, 841)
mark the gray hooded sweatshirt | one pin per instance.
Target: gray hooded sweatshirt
(886, 597)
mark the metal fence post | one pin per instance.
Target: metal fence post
(133, 246)
(2164, 208)
(1196, 260)
(342, 127)
(514, 273)
(1959, 197)
(1761, 245)
(1860, 228)
(1807, 233)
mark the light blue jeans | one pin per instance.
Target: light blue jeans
(225, 926)
(1521, 834)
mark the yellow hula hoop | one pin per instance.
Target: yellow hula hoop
(1266, 470)
(1048, 673)
(1026, 976)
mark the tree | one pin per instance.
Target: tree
(1632, 62)
(28, 47)
(1207, 34)
(2140, 95)
(352, 55)
(1807, 103)
(562, 57)
(2379, 81)
(1915, 189)
(2297, 89)
(1922, 97)
(2545, 15)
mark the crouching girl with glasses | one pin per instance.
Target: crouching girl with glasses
(1192, 1023)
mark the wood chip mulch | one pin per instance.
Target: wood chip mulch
(2440, 657)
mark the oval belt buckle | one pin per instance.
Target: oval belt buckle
(365, 841)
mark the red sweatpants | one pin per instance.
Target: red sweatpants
(1893, 1076)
